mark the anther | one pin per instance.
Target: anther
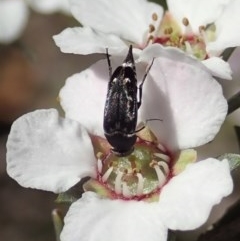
(154, 17)
(153, 163)
(118, 183)
(185, 22)
(107, 174)
(168, 31)
(151, 28)
(150, 39)
(135, 171)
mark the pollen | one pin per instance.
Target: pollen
(170, 33)
(185, 22)
(154, 17)
(151, 28)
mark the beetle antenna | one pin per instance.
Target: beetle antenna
(109, 63)
(141, 85)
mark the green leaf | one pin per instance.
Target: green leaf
(57, 222)
(163, 3)
(233, 160)
(95, 186)
(65, 198)
(227, 53)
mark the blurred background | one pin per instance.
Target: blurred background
(32, 71)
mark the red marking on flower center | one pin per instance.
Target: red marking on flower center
(138, 176)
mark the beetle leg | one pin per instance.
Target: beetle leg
(109, 63)
(141, 85)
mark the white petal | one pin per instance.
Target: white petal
(182, 93)
(128, 19)
(47, 152)
(84, 94)
(227, 28)
(96, 219)
(86, 41)
(13, 19)
(186, 201)
(198, 12)
(218, 68)
(50, 6)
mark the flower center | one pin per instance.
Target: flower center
(169, 33)
(137, 176)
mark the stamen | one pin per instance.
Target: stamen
(126, 192)
(162, 156)
(107, 174)
(99, 161)
(161, 147)
(160, 175)
(140, 184)
(188, 46)
(203, 33)
(150, 40)
(181, 40)
(118, 183)
(99, 165)
(154, 17)
(188, 29)
(165, 167)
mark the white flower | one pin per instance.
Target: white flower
(14, 15)
(45, 151)
(211, 28)
(50, 6)
(13, 19)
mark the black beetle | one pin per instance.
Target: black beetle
(121, 107)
